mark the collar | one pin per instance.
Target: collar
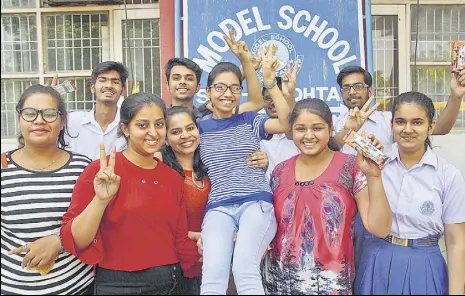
(90, 117)
(280, 136)
(429, 158)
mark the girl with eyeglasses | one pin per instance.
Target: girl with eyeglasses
(240, 200)
(37, 181)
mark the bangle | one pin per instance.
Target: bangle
(57, 234)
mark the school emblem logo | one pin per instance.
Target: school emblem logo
(427, 208)
(286, 51)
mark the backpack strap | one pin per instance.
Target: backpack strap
(4, 161)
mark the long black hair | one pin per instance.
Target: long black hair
(421, 100)
(169, 157)
(43, 89)
(317, 107)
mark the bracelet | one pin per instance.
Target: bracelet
(57, 234)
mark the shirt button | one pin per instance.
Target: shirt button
(155, 182)
(95, 240)
(143, 181)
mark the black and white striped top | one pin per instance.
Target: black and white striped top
(32, 206)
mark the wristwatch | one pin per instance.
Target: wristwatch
(268, 86)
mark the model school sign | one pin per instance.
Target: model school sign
(324, 36)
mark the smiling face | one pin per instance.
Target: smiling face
(39, 132)
(354, 97)
(183, 84)
(310, 133)
(224, 102)
(410, 127)
(108, 87)
(183, 134)
(146, 132)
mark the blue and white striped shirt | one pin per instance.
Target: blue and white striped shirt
(224, 147)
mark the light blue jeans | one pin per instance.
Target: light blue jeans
(255, 224)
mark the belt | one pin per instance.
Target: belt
(420, 242)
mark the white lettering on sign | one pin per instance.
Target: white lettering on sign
(326, 38)
(322, 92)
(302, 22)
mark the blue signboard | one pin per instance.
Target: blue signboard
(324, 36)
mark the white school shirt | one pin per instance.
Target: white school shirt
(85, 134)
(425, 197)
(378, 124)
(279, 148)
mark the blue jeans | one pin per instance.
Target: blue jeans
(255, 224)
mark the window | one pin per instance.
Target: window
(438, 26)
(75, 41)
(19, 44)
(385, 52)
(143, 54)
(38, 41)
(18, 3)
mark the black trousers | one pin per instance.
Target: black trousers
(193, 285)
(160, 280)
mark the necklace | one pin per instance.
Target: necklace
(41, 169)
(194, 179)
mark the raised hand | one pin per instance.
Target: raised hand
(289, 79)
(457, 83)
(106, 182)
(270, 64)
(256, 61)
(240, 49)
(366, 165)
(357, 117)
(54, 81)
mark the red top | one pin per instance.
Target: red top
(196, 201)
(144, 225)
(314, 243)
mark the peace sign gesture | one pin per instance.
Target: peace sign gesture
(240, 49)
(289, 80)
(357, 117)
(270, 63)
(106, 182)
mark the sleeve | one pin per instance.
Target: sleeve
(453, 197)
(339, 122)
(186, 248)
(276, 175)
(359, 178)
(83, 194)
(258, 124)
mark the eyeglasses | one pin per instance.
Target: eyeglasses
(222, 88)
(48, 115)
(355, 86)
(267, 99)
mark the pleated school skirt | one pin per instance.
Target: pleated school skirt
(386, 268)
